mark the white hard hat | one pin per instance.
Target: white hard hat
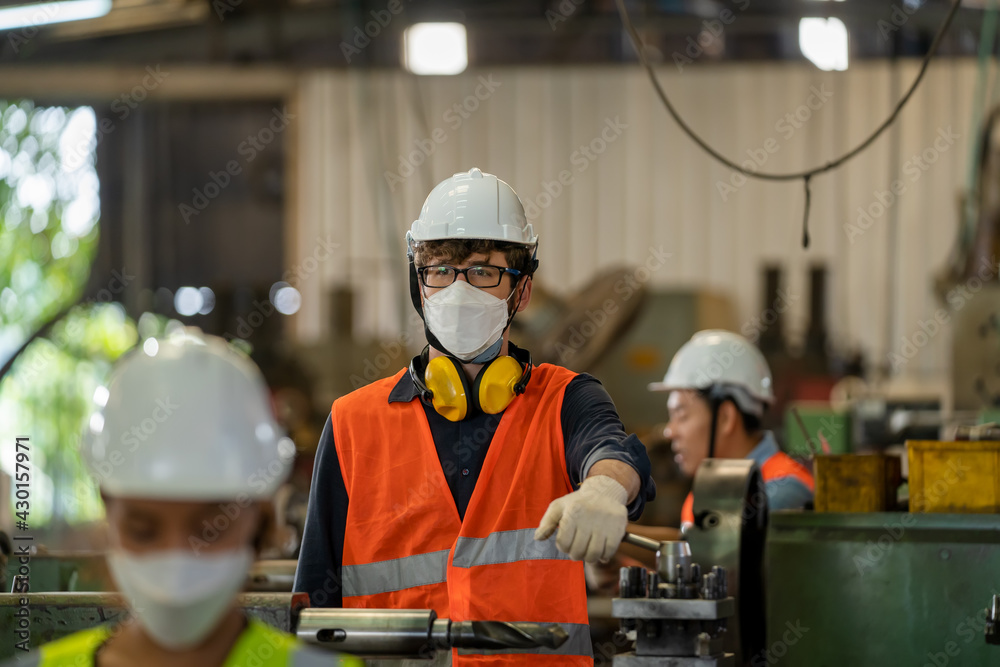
(472, 205)
(186, 418)
(723, 361)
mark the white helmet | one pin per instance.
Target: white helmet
(725, 361)
(186, 418)
(472, 205)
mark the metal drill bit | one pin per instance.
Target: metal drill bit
(498, 635)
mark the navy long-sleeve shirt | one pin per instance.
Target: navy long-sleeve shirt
(592, 431)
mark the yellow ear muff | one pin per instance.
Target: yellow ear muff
(495, 385)
(449, 387)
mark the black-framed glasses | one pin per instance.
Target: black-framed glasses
(478, 275)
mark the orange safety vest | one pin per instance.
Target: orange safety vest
(777, 467)
(406, 547)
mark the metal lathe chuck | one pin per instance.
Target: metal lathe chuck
(676, 615)
(703, 606)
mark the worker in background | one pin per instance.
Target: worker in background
(720, 388)
(472, 482)
(187, 508)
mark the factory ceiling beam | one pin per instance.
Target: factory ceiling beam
(310, 34)
(98, 84)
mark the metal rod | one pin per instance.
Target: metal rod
(809, 440)
(642, 542)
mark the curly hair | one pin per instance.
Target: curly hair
(456, 251)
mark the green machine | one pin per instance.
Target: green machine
(865, 589)
(880, 589)
(57, 571)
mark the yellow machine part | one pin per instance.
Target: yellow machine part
(856, 482)
(954, 477)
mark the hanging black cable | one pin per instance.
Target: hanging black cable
(790, 176)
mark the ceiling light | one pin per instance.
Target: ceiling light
(435, 48)
(45, 13)
(824, 42)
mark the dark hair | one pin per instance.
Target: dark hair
(751, 423)
(456, 251)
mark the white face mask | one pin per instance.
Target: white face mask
(466, 319)
(178, 596)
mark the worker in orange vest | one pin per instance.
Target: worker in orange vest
(720, 387)
(472, 482)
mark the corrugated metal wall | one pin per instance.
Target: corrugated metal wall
(651, 187)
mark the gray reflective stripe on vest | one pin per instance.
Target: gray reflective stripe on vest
(395, 575)
(506, 546)
(577, 644)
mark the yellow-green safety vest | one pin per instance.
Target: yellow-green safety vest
(259, 645)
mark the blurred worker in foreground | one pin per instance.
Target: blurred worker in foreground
(720, 387)
(187, 455)
(470, 482)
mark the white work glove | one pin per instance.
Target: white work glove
(591, 520)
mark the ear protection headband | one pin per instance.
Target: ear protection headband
(442, 383)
